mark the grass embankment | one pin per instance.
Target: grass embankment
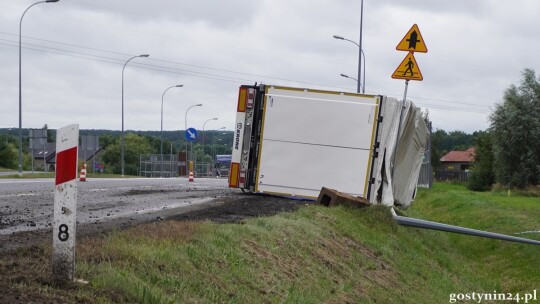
(318, 254)
(507, 266)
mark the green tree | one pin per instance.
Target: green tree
(482, 176)
(9, 155)
(106, 139)
(27, 161)
(437, 150)
(515, 125)
(154, 141)
(457, 140)
(134, 146)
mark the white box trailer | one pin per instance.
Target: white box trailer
(292, 142)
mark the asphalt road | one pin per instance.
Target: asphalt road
(27, 205)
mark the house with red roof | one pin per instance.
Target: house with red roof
(458, 160)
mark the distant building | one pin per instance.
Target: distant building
(458, 160)
(49, 154)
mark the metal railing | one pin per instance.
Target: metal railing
(418, 223)
(455, 176)
(151, 165)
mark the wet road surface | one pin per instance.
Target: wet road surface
(27, 205)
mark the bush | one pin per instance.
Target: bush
(480, 181)
(482, 176)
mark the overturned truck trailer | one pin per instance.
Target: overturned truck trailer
(292, 142)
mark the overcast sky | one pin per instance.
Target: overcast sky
(74, 50)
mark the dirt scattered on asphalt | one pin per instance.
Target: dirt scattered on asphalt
(145, 192)
(25, 257)
(236, 208)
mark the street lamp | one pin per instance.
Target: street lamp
(204, 133)
(161, 134)
(347, 76)
(361, 53)
(214, 146)
(122, 137)
(186, 124)
(20, 83)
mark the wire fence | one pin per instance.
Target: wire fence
(454, 176)
(152, 165)
(425, 178)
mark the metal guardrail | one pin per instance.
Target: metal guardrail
(412, 222)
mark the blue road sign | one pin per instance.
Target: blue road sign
(191, 134)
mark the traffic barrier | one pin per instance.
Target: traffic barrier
(191, 176)
(82, 176)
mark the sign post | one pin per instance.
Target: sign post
(65, 204)
(408, 69)
(191, 136)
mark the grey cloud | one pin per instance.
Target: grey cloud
(227, 14)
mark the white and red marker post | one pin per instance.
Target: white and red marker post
(65, 203)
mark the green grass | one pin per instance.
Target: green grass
(313, 255)
(511, 265)
(36, 174)
(323, 255)
(493, 211)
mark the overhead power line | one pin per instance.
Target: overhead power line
(219, 77)
(36, 47)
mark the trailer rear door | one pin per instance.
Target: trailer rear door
(311, 139)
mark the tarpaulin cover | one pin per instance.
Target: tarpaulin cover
(396, 171)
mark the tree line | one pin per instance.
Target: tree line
(136, 143)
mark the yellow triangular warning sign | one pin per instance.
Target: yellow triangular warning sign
(413, 41)
(408, 69)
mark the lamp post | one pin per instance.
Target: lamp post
(347, 76)
(214, 146)
(361, 53)
(161, 134)
(186, 124)
(20, 82)
(204, 133)
(122, 137)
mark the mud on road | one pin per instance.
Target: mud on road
(227, 207)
